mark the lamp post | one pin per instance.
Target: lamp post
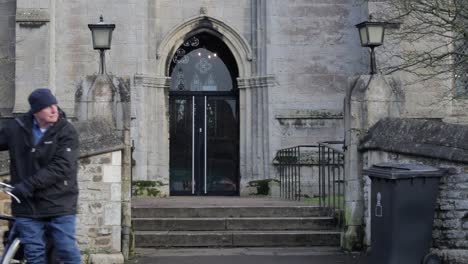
(371, 35)
(102, 37)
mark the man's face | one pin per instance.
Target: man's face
(47, 116)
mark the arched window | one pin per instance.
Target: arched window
(203, 63)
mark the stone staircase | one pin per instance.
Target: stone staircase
(243, 224)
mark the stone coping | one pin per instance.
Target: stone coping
(419, 137)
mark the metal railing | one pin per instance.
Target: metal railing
(327, 160)
(331, 177)
(290, 161)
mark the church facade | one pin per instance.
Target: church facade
(216, 87)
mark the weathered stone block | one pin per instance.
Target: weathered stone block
(117, 158)
(112, 213)
(104, 231)
(103, 241)
(96, 208)
(115, 258)
(461, 205)
(112, 173)
(116, 238)
(116, 192)
(97, 178)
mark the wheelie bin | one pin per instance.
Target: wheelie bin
(403, 199)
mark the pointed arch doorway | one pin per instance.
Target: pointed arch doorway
(204, 118)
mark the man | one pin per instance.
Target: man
(43, 149)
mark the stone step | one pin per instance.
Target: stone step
(247, 238)
(225, 212)
(236, 251)
(245, 223)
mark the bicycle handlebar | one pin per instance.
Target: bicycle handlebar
(7, 188)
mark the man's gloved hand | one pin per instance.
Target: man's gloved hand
(22, 190)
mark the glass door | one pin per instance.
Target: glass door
(181, 146)
(204, 158)
(222, 151)
(204, 121)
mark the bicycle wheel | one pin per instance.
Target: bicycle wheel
(12, 254)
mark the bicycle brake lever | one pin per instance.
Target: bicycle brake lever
(14, 196)
(6, 186)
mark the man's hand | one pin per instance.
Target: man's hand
(21, 190)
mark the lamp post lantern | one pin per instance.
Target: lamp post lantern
(102, 37)
(371, 35)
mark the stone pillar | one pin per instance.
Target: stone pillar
(151, 137)
(259, 36)
(254, 129)
(7, 56)
(95, 99)
(32, 50)
(107, 98)
(104, 97)
(368, 99)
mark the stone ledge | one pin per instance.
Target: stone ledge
(32, 17)
(310, 114)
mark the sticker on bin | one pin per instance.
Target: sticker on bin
(378, 207)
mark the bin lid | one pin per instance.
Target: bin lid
(393, 171)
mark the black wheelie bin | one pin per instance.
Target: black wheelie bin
(403, 199)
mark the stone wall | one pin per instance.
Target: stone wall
(300, 53)
(99, 207)
(296, 127)
(7, 56)
(65, 40)
(279, 38)
(426, 142)
(99, 228)
(312, 50)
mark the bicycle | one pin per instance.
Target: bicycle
(13, 250)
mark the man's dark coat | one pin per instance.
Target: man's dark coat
(48, 169)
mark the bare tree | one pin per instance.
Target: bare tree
(435, 38)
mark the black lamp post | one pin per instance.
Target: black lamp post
(102, 37)
(372, 35)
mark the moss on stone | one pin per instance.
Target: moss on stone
(146, 188)
(263, 187)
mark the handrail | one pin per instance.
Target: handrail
(290, 160)
(327, 160)
(331, 178)
(330, 144)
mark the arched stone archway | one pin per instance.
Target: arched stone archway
(203, 23)
(152, 144)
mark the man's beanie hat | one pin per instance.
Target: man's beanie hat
(40, 99)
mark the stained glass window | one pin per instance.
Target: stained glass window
(203, 63)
